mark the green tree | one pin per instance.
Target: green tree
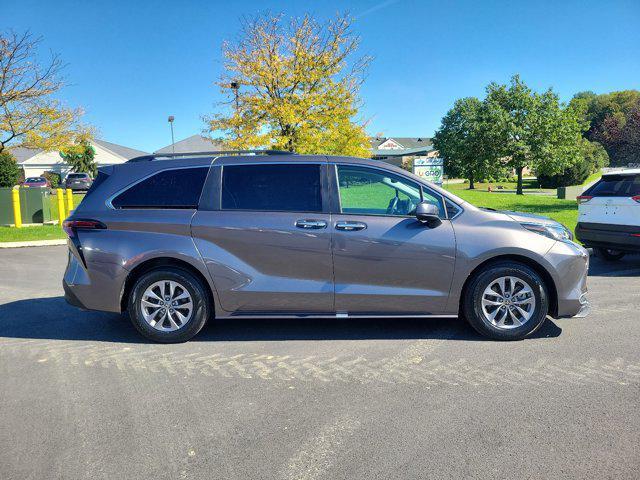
(599, 107)
(534, 130)
(292, 86)
(9, 170)
(464, 141)
(592, 158)
(80, 157)
(608, 115)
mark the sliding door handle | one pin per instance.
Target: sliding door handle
(311, 224)
(350, 226)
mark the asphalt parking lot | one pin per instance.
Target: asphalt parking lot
(82, 395)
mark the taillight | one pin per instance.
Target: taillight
(583, 198)
(71, 226)
(636, 198)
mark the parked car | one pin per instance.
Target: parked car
(78, 181)
(178, 241)
(609, 215)
(36, 182)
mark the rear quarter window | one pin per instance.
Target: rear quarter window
(175, 188)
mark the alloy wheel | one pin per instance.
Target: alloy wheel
(166, 305)
(508, 302)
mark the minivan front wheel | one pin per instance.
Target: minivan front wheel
(506, 301)
(168, 305)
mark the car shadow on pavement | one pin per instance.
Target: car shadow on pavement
(627, 266)
(53, 319)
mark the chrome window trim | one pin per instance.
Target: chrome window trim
(108, 202)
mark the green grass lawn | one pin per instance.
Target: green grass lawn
(40, 232)
(564, 211)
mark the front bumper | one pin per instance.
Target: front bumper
(604, 235)
(570, 263)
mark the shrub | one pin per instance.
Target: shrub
(54, 178)
(9, 170)
(573, 175)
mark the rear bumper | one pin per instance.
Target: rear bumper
(97, 288)
(78, 187)
(619, 237)
(70, 297)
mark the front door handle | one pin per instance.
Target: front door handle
(350, 226)
(311, 224)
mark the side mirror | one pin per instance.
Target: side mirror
(428, 213)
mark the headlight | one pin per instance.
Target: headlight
(553, 231)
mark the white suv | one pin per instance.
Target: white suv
(609, 215)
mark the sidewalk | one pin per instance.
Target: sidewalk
(33, 243)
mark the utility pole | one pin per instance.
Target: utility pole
(173, 143)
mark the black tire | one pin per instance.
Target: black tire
(610, 254)
(472, 302)
(200, 299)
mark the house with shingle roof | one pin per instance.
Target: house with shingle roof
(401, 150)
(193, 144)
(35, 162)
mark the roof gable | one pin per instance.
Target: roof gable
(405, 142)
(34, 155)
(390, 144)
(120, 150)
(193, 144)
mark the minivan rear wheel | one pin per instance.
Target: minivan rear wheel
(168, 305)
(610, 254)
(506, 301)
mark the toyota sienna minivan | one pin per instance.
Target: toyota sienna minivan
(178, 240)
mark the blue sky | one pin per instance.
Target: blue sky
(132, 63)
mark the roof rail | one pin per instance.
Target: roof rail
(159, 156)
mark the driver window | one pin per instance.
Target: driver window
(375, 192)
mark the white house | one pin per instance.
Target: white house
(35, 162)
(400, 150)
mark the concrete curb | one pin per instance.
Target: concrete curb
(33, 243)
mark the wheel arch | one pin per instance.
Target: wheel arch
(535, 266)
(157, 263)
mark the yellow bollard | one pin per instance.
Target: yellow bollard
(61, 213)
(69, 201)
(16, 208)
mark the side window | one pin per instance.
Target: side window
(452, 208)
(373, 192)
(177, 188)
(276, 187)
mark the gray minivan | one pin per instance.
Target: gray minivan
(178, 240)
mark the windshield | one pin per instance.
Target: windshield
(77, 175)
(34, 180)
(616, 186)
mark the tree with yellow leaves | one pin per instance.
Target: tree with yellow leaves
(29, 115)
(292, 86)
